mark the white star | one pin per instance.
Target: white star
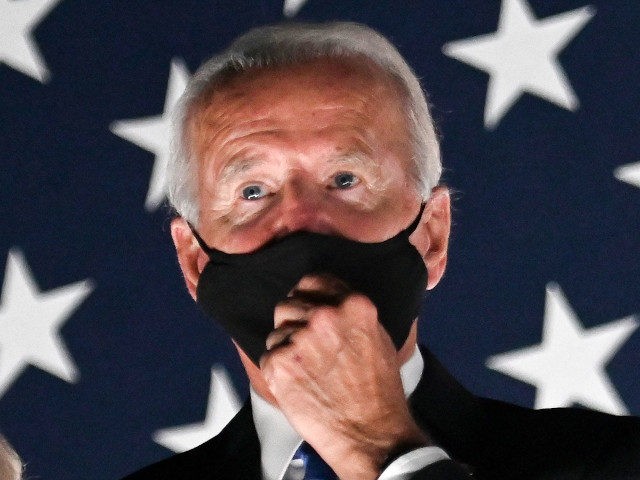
(569, 365)
(629, 173)
(522, 57)
(30, 321)
(152, 134)
(292, 7)
(222, 407)
(17, 48)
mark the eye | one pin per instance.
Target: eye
(253, 192)
(345, 180)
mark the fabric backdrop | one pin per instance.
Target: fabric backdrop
(107, 365)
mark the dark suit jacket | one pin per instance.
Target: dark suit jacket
(492, 439)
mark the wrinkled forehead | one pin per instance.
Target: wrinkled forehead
(331, 79)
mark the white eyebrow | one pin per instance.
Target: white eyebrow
(356, 159)
(241, 165)
(238, 166)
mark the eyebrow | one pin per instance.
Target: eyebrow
(353, 158)
(241, 165)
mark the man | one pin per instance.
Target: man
(305, 177)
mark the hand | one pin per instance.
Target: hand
(334, 372)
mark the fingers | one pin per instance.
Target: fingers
(321, 289)
(291, 309)
(306, 323)
(310, 292)
(315, 333)
(281, 336)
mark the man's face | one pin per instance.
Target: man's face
(320, 147)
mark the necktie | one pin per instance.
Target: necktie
(308, 465)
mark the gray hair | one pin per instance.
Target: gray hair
(299, 43)
(10, 464)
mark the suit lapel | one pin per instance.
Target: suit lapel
(444, 408)
(237, 448)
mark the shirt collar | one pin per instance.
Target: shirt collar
(278, 439)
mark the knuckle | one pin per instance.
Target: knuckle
(361, 305)
(309, 282)
(361, 310)
(323, 317)
(326, 325)
(288, 306)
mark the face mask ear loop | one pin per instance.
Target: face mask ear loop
(201, 242)
(411, 228)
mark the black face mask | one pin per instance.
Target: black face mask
(241, 291)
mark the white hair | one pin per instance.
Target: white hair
(297, 43)
(10, 464)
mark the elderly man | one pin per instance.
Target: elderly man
(305, 176)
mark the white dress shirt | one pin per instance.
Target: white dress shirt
(279, 441)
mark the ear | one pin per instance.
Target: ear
(431, 237)
(190, 256)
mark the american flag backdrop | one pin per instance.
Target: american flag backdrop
(106, 364)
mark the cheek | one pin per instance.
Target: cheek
(243, 239)
(401, 212)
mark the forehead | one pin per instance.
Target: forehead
(331, 78)
(337, 106)
(316, 88)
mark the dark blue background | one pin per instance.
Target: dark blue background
(535, 202)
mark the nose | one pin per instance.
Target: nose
(300, 209)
